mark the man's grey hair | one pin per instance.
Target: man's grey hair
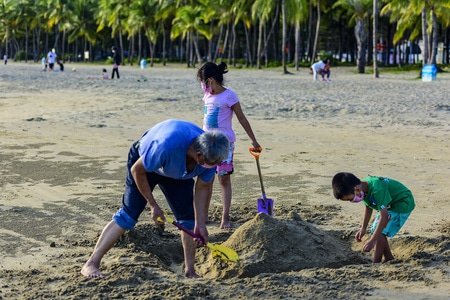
(213, 144)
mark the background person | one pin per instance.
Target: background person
(51, 58)
(317, 67)
(326, 70)
(116, 62)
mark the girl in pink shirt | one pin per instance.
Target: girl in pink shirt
(219, 105)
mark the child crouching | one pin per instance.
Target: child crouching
(393, 201)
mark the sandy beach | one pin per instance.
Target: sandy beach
(64, 143)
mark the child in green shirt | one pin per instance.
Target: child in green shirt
(393, 201)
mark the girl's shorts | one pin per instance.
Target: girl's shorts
(226, 167)
(395, 223)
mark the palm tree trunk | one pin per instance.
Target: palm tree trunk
(259, 53)
(121, 47)
(209, 55)
(233, 45)
(297, 45)
(248, 57)
(197, 51)
(225, 41)
(272, 28)
(283, 46)
(216, 52)
(424, 36)
(131, 50)
(316, 38)
(375, 34)
(434, 48)
(139, 45)
(26, 43)
(63, 48)
(361, 38)
(164, 44)
(308, 44)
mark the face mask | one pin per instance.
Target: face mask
(358, 199)
(206, 166)
(206, 89)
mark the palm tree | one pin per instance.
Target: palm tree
(297, 12)
(283, 43)
(113, 14)
(414, 17)
(165, 13)
(59, 14)
(24, 13)
(190, 21)
(242, 11)
(261, 10)
(358, 11)
(316, 37)
(6, 20)
(83, 23)
(142, 14)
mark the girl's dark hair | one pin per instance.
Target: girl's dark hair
(344, 184)
(211, 70)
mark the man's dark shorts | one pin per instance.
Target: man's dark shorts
(179, 195)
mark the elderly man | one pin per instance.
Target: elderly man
(170, 155)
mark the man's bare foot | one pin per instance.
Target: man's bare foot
(91, 271)
(192, 275)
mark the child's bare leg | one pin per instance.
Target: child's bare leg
(387, 253)
(225, 185)
(382, 248)
(209, 197)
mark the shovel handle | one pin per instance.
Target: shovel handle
(256, 152)
(181, 227)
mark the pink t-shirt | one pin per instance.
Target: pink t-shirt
(218, 113)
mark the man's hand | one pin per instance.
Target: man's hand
(157, 214)
(202, 232)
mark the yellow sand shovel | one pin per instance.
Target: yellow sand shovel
(218, 251)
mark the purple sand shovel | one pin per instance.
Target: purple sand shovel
(265, 205)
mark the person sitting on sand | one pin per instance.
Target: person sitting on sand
(105, 74)
(220, 103)
(170, 155)
(393, 201)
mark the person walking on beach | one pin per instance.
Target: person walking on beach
(51, 58)
(318, 67)
(219, 105)
(393, 201)
(5, 58)
(116, 62)
(170, 154)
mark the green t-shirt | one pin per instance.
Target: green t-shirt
(386, 192)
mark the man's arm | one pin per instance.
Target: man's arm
(202, 197)
(140, 177)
